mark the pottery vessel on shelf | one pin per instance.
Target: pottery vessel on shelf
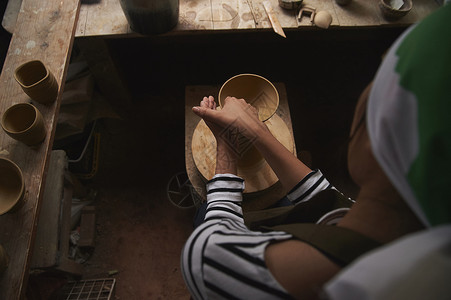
(23, 122)
(392, 14)
(12, 186)
(151, 16)
(37, 81)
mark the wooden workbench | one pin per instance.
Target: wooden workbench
(106, 18)
(100, 20)
(44, 31)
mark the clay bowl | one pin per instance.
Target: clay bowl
(392, 14)
(255, 89)
(24, 122)
(11, 185)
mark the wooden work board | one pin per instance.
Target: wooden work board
(252, 201)
(106, 18)
(44, 31)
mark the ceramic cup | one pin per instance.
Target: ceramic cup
(3, 260)
(24, 122)
(12, 186)
(392, 14)
(151, 16)
(37, 81)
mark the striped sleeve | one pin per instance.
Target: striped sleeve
(310, 185)
(222, 258)
(224, 196)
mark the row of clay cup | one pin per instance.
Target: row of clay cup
(25, 123)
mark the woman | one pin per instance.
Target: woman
(225, 259)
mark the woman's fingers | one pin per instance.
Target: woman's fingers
(205, 113)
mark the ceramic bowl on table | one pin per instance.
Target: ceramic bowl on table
(392, 14)
(25, 123)
(12, 186)
(255, 89)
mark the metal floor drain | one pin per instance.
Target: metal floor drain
(96, 289)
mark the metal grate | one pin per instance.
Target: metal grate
(95, 289)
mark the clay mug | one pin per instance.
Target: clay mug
(37, 81)
(12, 186)
(3, 260)
(23, 122)
(151, 16)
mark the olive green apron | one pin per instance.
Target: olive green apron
(340, 244)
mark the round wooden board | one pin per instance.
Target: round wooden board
(258, 176)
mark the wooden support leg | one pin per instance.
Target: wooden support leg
(108, 79)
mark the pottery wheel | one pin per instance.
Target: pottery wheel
(258, 176)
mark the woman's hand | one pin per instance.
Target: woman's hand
(235, 116)
(226, 155)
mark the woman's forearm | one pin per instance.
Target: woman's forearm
(226, 160)
(288, 168)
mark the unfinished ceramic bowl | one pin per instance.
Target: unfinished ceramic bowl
(24, 122)
(255, 89)
(390, 13)
(37, 81)
(12, 185)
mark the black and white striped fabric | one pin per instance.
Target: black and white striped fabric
(223, 259)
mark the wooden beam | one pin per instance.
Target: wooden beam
(45, 31)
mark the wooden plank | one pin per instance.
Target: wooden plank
(195, 15)
(287, 18)
(44, 30)
(106, 18)
(235, 14)
(358, 13)
(10, 15)
(46, 248)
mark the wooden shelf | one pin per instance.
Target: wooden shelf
(45, 31)
(106, 18)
